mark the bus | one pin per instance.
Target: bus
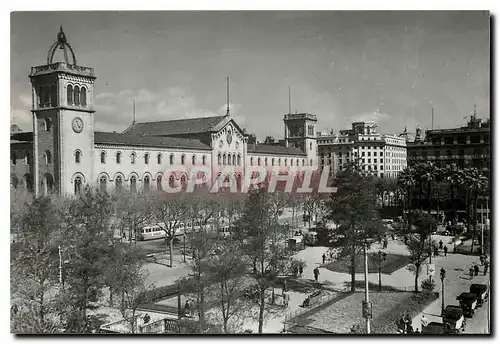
(156, 231)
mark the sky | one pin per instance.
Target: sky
(389, 67)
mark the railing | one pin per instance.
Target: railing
(290, 317)
(63, 67)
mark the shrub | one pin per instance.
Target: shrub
(428, 285)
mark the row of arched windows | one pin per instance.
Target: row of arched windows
(76, 95)
(259, 162)
(119, 184)
(47, 96)
(159, 157)
(229, 159)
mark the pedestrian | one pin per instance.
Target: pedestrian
(286, 299)
(445, 249)
(486, 265)
(392, 236)
(476, 270)
(187, 308)
(324, 258)
(424, 321)
(436, 252)
(440, 244)
(471, 272)
(385, 243)
(481, 260)
(301, 270)
(285, 288)
(316, 274)
(14, 309)
(146, 318)
(295, 270)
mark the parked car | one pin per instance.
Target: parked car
(468, 302)
(481, 291)
(453, 320)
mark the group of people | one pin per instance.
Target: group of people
(189, 309)
(404, 324)
(441, 247)
(474, 269)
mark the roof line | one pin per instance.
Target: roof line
(179, 119)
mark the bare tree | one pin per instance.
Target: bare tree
(170, 212)
(133, 211)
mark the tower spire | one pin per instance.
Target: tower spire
(133, 121)
(227, 86)
(289, 99)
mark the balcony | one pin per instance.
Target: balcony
(62, 67)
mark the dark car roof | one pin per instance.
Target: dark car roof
(453, 312)
(467, 296)
(478, 287)
(433, 327)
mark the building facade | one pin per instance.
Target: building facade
(64, 152)
(382, 155)
(467, 146)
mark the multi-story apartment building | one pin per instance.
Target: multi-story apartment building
(466, 146)
(383, 155)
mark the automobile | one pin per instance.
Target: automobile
(453, 319)
(481, 291)
(468, 302)
(433, 328)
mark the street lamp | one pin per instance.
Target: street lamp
(443, 275)
(382, 256)
(184, 245)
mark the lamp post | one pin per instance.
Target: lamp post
(382, 256)
(184, 245)
(443, 275)
(367, 306)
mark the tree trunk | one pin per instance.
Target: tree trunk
(417, 271)
(261, 309)
(474, 223)
(353, 269)
(170, 250)
(110, 297)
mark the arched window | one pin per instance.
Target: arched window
(14, 181)
(234, 159)
(310, 162)
(102, 183)
(251, 161)
(303, 162)
(53, 96)
(297, 162)
(28, 182)
(118, 157)
(78, 185)
(133, 184)
(258, 162)
(265, 161)
(83, 96)
(49, 183)
(76, 95)
(204, 160)
(158, 158)
(158, 183)
(219, 158)
(224, 159)
(13, 156)
(183, 179)
(291, 162)
(78, 155)
(132, 157)
(193, 159)
(279, 161)
(146, 184)
(229, 159)
(183, 159)
(103, 157)
(272, 162)
(48, 124)
(146, 158)
(48, 157)
(171, 159)
(239, 160)
(286, 162)
(171, 181)
(310, 145)
(118, 184)
(70, 95)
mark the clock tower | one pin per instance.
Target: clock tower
(63, 122)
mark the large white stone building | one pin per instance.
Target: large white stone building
(64, 152)
(383, 155)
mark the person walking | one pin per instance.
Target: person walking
(286, 299)
(481, 260)
(324, 258)
(486, 265)
(385, 244)
(471, 272)
(301, 270)
(187, 308)
(316, 274)
(285, 288)
(440, 244)
(476, 269)
(146, 318)
(445, 250)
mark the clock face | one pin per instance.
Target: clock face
(77, 125)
